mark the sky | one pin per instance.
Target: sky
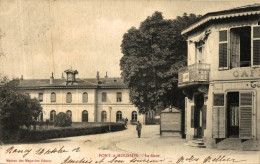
(38, 37)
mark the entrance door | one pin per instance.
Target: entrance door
(198, 116)
(233, 114)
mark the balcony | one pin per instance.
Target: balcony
(195, 74)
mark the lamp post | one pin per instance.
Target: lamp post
(110, 109)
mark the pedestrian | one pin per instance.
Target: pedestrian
(139, 128)
(126, 120)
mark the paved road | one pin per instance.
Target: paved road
(150, 148)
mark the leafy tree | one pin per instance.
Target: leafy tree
(62, 120)
(152, 56)
(16, 107)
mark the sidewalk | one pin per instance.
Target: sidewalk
(174, 148)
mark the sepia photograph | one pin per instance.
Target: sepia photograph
(129, 81)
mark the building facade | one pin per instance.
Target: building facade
(222, 79)
(84, 100)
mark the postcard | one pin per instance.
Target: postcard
(121, 82)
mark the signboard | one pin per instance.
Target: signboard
(170, 121)
(185, 77)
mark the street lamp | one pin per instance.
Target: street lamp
(110, 109)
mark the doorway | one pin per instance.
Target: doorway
(198, 116)
(233, 114)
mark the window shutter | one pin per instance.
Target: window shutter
(204, 116)
(223, 44)
(192, 117)
(256, 45)
(235, 50)
(185, 128)
(218, 116)
(245, 126)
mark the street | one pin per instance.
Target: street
(120, 147)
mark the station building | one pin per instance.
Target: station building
(84, 100)
(222, 79)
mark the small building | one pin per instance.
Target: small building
(222, 79)
(170, 122)
(83, 99)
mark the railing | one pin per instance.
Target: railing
(194, 74)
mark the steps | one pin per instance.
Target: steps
(196, 142)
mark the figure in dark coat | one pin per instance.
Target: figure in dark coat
(139, 128)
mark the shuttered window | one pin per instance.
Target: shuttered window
(246, 107)
(223, 46)
(192, 117)
(85, 97)
(53, 97)
(69, 97)
(218, 116)
(256, 45)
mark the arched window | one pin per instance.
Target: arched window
(118, 116)
(85, 116)
(69, 97)
(69, 113)
(85, 97)
(103, 116)
(53, 97)
(52, 115)
(134, 116)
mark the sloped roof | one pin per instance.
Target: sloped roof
(234, 12)
(79, 83)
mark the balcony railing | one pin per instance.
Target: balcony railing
(194, 74)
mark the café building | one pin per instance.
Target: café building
(222, 79)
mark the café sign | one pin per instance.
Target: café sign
(247, 73)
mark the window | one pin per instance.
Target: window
(218, 99)
(256, 45)
(40, 97)
(85, 116)
(104, 97)
(223, 44)
(200, 51)
(134, 116)
(69, 97)
(69, 113)
(85, 97)
(53, 97)
(103, 116)
(52, 115)
(41, 117)
(118, 116)
(118, 97)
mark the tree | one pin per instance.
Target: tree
(16, 107)
(151, 58)
(62, 120)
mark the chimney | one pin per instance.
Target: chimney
(106, 75)
(21, 77)
(51, 78)
(97, 76)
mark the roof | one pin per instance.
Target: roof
(234, 12)
(79, 83)
(171, 110)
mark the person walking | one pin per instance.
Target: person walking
(139, 128)
(126, 120)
